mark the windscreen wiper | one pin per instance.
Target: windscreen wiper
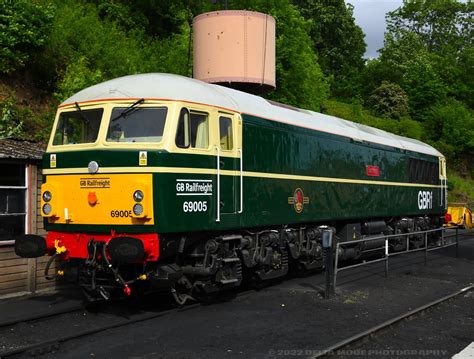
(81, 112)
(128, 110)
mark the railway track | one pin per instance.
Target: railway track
(48, 346)
(360, 337)
(51, 345)
(39, 317)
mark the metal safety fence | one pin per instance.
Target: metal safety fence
(445, 241)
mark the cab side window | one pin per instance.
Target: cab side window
(225, 133)
(193, 130)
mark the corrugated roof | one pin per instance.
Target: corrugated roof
(21, 150)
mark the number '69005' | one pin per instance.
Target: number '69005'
(195, 206)
(116, 213)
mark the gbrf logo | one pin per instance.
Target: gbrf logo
(425, 200)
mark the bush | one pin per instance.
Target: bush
(10, 124)
(77, 76)
(451, 125)
(389, 101)
(24, 28)
(460, 189)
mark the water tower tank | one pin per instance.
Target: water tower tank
(236, 49)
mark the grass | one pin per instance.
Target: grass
(460, 190)
(355, 297)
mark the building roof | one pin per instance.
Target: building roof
(20, 150)
(179, 88)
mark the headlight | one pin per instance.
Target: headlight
(47, 196)
(47, 208)
(138, 209)
(138, 196)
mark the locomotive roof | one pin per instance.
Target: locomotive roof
(175, 87)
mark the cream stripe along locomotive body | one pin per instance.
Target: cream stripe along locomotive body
(191, 187)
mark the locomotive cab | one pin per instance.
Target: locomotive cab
(106, 187)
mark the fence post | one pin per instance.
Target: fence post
(336, 264)
(386, 257)
(328, 247)
(426, 248)
(457, 241)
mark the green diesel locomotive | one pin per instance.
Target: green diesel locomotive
(179, 184)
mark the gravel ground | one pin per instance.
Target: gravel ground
(291, 319)
(440, 332)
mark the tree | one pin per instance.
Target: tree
(338, 41)
(406, 61)
(84, 49)
(157, 18)
(300, 80)
(389, 101)
(452, 126)
(444, 30)
(24, 28)
(443, 25)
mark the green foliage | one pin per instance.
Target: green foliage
(10, 125)
(389, 101)
(301, 82)
(423, 86)
(85, 50)
(443, 25)
(19, 121)
(406, 61)
(157, 18)
(354, 112)
(78, 76)
(452, 126)
(24, 28)
(460, 190)
(429, 48)
(338, 42)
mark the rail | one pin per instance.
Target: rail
(332, 350)
(387, 254)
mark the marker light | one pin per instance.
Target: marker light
(93, 167)
(138, 196)
(47, 196)
(138, 209)
(47, 209)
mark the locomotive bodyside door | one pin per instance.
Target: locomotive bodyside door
(229, 168)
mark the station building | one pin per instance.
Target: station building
(20, 183)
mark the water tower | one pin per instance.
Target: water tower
(235, 48)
